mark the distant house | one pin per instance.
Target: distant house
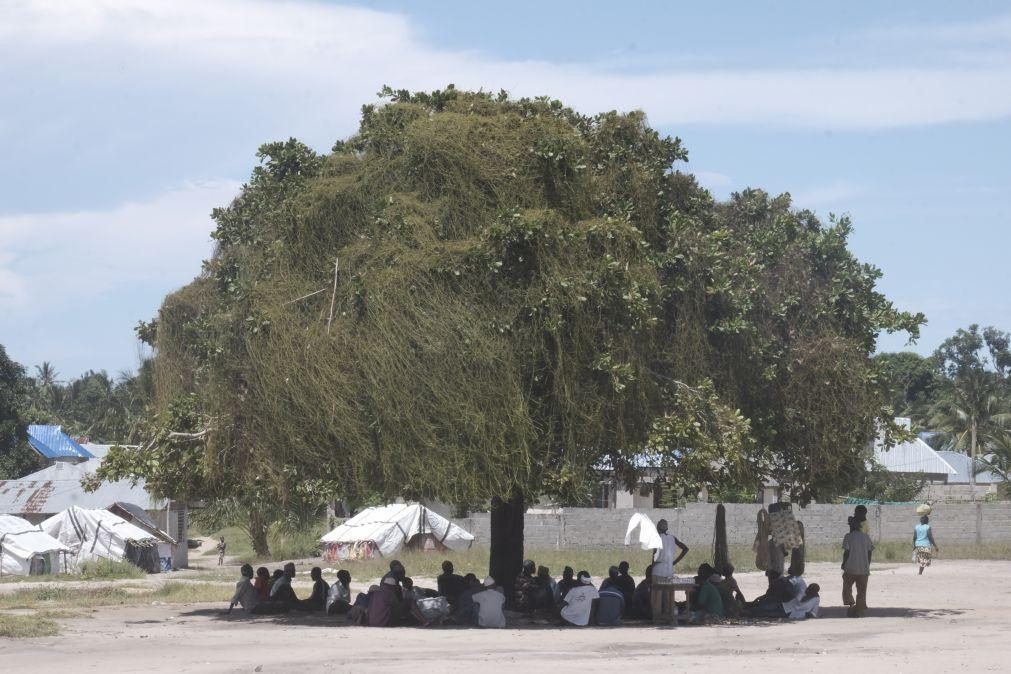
(914, 458)
(57, 487)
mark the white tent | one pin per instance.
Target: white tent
(25, 549)
(98, 534)
(384, 530)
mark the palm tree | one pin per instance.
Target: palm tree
(46, 386)
(998, 457)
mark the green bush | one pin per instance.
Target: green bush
(107, 569)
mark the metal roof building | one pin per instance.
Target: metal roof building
(52, 443)
(960, 462)
(914, 456)
(56, 488)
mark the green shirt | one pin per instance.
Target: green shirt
(709, 599)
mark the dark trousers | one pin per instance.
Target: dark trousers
(860, 580)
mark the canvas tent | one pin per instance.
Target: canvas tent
(384, 530)
(27, 550)
(98, 534)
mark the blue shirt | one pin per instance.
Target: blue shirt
(921, 535)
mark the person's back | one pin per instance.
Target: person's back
(450, 585)
(922, 535)
(610, 605)
(577, 607)
(463, 610)
(709, 601)
(383, 603)
(625, 583)
(858, 547)
(245, 592)
(490, 602)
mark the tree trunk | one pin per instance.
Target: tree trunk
(972, 461)
(506, 558)
(258, 535)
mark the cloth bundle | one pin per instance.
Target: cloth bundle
(785, 531)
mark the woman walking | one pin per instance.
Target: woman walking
(923, 540)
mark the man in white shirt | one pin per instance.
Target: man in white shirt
(856, 566)
(245, 594)
(577, 606)
(661, 593)
(489, 602)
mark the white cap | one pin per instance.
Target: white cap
(489, 581)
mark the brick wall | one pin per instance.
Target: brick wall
(823, 524)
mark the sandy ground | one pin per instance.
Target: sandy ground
(953, 618)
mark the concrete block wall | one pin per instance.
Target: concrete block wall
(824, 524)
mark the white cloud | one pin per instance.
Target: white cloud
(316, 63)
(58, 260)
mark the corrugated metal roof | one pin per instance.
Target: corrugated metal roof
(56, 488)
(52, 443)
(960, 462)
(914, 456)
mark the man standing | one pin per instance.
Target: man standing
(856, 566)
(221, 551)
(661, 592)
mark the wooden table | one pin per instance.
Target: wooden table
(679, 585)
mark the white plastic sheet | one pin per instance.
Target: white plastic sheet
(649, 537)
(390, 527)
(21, 542)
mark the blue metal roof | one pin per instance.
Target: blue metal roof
(52, 443)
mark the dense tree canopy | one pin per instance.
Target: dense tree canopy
(481, 298)
(16, 458)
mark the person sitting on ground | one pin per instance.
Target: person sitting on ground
(782, 591)
(705, 570)
(626, 584)
(245, 592)
(612, 577)
(490, 602)
(281, 591)
(398, 573)
(779, 590)
(610, 604)
(465, 611)
(320, 590)
(641, 607)
(567, 582)
(526, 587)
(578, 604)
(708, 602)
(274, 577)
(338, 599)
(262, 583)
(730, 592)
(548, 589)
(384, 604)
(450, 584)
(797, 608)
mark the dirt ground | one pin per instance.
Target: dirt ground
(953, 618)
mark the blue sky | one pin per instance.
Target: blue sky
(124, 122)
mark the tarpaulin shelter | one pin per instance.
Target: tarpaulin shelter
(92, 535)
(384, 530)
(27, 550)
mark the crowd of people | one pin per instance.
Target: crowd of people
(712, 595)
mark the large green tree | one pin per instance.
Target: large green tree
(478, 298)
(16, 457)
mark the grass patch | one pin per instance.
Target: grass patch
(236, 543)
(57, 597)
(105, 569)
(27, 626)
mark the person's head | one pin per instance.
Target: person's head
(584, 578)
(567, 573)
(277, 574)
(471, 579)
(289, 569)
(623, 568)
(222, 539)
(489, 582)
(772, 575)
(661, 526)
(316, 573)
(728, 570)
(528, 567)
(397, 569)
(924, 520)
(543, 572)
(860, 512)
(344, 576)
(447, 567)
(613, 572)
(262, 573)
(408, 583)
(246, 571)
(705, 570)
(812, 590)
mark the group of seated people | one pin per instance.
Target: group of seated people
(570, 600)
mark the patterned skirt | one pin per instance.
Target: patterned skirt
(921, 555)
